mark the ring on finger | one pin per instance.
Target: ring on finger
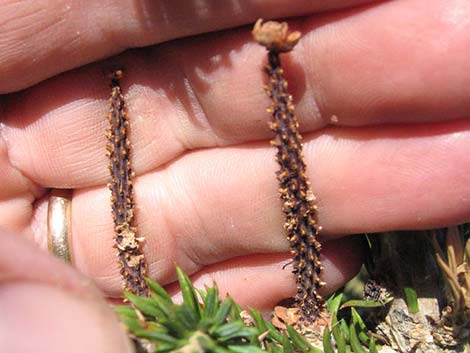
(59, 224)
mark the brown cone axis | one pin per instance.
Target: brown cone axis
(294, 188)
(131, 259)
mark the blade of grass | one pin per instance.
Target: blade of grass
(345, 329)
(338, 335)
(334, 303)
(363, 304)
(372, 347)
(259, 321)
(362, 333)
(411, 300)
(300, 342)
(354, 340)
(274, 333)
(327, 345)
(245, 349)
(287, 345)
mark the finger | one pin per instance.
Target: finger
(173, 105)
(269, 276)
(212, 205)
(17, 195)
(37, 36)
(63, 300)
(79, 325)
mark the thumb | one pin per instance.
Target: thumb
(45, 306)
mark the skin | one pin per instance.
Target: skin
(382, 92)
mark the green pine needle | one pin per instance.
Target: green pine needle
(205, 323)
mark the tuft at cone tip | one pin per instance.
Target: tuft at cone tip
(275, 35)
(116, 77)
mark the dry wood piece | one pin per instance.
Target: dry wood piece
(294, 188)
(131, 259)
(455, 266)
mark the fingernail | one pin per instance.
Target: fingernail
(36, 317)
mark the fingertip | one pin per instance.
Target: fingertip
(56, 321)
(47, 301)
(263, 280)
(342, 259)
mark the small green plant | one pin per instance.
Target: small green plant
(349, 335)
(205, 323)
(214, 325)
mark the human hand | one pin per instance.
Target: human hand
(205, 190)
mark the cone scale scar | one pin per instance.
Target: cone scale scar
(131, 258)
(294, 188)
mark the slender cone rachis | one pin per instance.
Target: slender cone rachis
(294, 188)
(131, 259)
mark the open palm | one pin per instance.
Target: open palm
(381, 89)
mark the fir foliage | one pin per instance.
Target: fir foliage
(204, 322)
